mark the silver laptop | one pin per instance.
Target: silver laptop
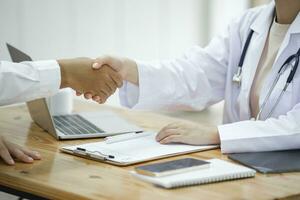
(77, 125)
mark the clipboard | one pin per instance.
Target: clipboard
(132, 151)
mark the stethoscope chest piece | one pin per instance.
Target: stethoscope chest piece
(237, 77)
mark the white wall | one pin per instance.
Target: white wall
(222, 12)
(142, 29)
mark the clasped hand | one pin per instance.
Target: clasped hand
(97, 84)
(122, 68)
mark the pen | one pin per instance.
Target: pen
(124, 137)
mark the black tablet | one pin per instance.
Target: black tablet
(270, 162)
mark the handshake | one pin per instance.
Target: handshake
(98, 78)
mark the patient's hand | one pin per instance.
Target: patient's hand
(97, 84)
(8, 151)
(188, 133)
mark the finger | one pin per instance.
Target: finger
(112, 87)
(103, 97)
(96, 98)
(20, 155)
(5, 155)
(173, 125)
(105, 89)
(96, 65)
(117, 78)
(166, 133)
(33, 154)
(170, 126)
(171, 139)
(78, 93)
(109, 87)
(88, 95)
(102, 101)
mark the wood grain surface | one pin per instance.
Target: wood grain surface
(63, 176)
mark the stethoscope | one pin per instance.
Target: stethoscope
(291, 61)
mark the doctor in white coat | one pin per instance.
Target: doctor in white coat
(205, 76)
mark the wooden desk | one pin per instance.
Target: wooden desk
(63, 176)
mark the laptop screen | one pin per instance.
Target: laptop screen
(17, 55)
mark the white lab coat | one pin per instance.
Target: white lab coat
(20, 82)
(204, 77)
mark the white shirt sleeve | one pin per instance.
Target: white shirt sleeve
(20, 82)
(192, 82)
(273, 134)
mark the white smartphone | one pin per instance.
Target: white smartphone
(172, 167)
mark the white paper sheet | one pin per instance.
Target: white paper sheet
(138, 149)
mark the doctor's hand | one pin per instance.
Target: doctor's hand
(8, 151)
(97, 84)
(188, 133)
(126, 67)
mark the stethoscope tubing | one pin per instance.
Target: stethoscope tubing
(292, 61)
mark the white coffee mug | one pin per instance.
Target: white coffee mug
(61, 103)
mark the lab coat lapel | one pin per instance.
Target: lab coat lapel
(286, 49)
(293, 29)
(260, 26)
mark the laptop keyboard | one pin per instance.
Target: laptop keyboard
(75, 125)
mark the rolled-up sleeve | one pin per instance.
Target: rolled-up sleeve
(20, 82)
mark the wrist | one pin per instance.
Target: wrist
(211, 133)
(131, 71)
(63, 73)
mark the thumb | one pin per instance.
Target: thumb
(109, 61)
(96, 65)
(99, 62)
